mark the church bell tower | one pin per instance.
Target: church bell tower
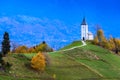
(84, 30)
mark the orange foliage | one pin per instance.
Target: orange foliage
(21, 49)
(38, 62)
(31, 50)
(96, 41)
(42, 47)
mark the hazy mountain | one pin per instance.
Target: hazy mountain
(26, 30)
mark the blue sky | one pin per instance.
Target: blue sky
(105, 13)
(100, 12)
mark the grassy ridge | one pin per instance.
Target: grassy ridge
(84, 63)
(74, 44)
(21, 69)
(106, 64)
(67, 68)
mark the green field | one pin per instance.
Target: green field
(74, 44)
(89, 62)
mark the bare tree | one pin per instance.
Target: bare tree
(14, 45)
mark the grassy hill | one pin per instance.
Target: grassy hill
(73, 44)
(21, 69)
(89, 62)
(103, 64)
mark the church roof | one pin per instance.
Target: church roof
(90, 33)
(84, 22)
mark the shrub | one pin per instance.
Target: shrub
(38, 62)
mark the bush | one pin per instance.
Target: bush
(38, 62)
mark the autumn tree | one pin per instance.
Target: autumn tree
(117, 45)
(5, 44)
(112, 44)
(43, 47)
(101, 38)
(21, 49)
(31, 50)
(100, 35)
(38, 62)
(95, 41)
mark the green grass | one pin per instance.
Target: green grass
(108, 64)
(74, 44)
(29, 56)
(106, 67)
(67, 68)
(21, 69)
(90, 62)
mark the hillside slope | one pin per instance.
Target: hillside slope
(99, 60)
(21, 69)
(89, 62)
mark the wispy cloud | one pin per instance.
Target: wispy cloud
(25, 29)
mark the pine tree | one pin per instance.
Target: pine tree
(5, 44)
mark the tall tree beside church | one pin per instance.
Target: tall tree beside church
(101, 38)
(5, 44)
(100, 35)
(96, 41)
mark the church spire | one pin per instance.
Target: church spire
(84, 22)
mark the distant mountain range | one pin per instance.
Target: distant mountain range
(30, 31)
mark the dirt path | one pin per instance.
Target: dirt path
(83, 44)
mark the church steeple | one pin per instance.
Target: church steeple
(84, 22)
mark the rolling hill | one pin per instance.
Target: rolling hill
(100, 61)
(89, 62)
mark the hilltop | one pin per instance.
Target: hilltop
(88, 62)
(102, 62)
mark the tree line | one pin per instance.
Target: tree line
(42, 47)
(112, 44)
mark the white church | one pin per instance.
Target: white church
(85, 34)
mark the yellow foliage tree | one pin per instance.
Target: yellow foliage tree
(95, 41)
(38, 62)
(112, 44)
(106, 45)
(21, 49)
(100, 35)
(31, 50)
(41, 47)
(101, 38)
